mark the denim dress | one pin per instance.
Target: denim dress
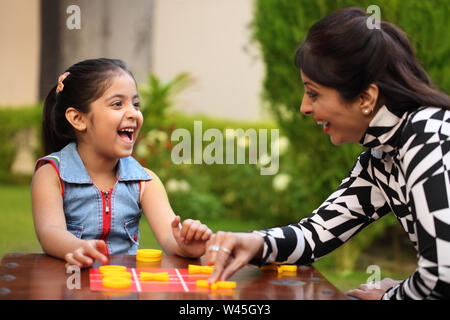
(111, 215)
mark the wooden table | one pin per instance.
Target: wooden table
(41, 277)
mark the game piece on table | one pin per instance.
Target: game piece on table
(216, 285)
(287, 268)
(192, 268)
(226, 284)
(116, 282)
(148, 255)
(154, 276)
(117, 274)
(202, 283)
(107, 268)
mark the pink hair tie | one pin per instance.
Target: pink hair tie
(60, 85)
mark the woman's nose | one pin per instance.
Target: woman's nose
(305, 108)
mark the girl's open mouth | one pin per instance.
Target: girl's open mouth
(126, 134)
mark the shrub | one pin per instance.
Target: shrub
(12, 121)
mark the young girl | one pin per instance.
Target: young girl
(88, 193)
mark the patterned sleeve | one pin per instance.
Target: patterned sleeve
(426, 164)
(355, 204)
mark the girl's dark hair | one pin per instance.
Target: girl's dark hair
(341, 52)
(87, 82)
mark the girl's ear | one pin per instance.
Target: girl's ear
(76, 118)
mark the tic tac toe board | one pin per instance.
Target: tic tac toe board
(179, 281)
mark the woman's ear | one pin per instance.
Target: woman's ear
(369, 99)
(76, 118)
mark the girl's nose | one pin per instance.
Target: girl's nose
(305, 107)
(132, 112)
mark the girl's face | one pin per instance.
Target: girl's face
(344, 122)
(114, 120)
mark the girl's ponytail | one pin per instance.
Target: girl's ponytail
(56, 130)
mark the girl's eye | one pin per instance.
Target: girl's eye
(311, 94)
(137, 104)
(117, 104)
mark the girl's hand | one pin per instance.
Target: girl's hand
(373, 292)
(85, 255)
(230, 251)
(190, 236)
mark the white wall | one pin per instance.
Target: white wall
(210, 39)
(19, 54)
(110, 29)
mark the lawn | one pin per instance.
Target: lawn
(17, 235)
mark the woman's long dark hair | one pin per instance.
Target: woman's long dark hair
(341, 52)
(86, 82)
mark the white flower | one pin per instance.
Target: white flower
(174, 185)
(281, 181)
(283, 145)
(184, 186)
(142, 151)
(285, 113)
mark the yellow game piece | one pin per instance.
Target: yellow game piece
(154, 276)
(148, 255)
(116, 282)
(192, 268)
(116, 274)
(214, 286)
(148, 260)
(226, 284)
(202, 283)
(107, 268)
(269, 267)
(287, 268)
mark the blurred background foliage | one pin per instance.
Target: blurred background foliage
(310, 166)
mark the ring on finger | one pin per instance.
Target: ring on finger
(226, 250)
(214, 248)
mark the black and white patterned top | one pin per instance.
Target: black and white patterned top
(404, 170)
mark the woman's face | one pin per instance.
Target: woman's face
(344, 122)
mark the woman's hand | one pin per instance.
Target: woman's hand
(373, 291)
(85, 255)
(190, 236)
(229, 251)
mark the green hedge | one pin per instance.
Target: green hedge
(12, 121)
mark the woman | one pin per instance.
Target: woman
(365, 85)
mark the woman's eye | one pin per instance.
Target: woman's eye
(311, 94)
